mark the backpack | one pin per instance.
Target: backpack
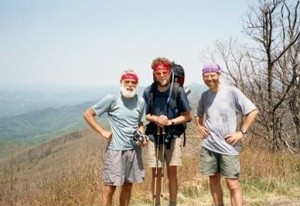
(177, 80)
(177, 73)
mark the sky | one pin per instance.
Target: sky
(88, 43)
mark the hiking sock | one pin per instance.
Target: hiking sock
(173, 204)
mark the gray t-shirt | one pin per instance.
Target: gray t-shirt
(123, 115)
(219, 110)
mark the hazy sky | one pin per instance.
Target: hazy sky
(90, 42)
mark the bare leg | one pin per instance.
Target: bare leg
(107, 195)
(125, 194)
(216, 189)
(173, 183)
(235, 192)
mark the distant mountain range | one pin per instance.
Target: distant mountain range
(39, 125)
(22, 100)
(33, 117)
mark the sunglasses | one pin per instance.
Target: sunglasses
(161, 73)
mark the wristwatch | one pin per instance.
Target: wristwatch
(243, 131)
(171, 123)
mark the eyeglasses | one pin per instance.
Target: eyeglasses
(161, 73)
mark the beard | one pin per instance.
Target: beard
(128, 92)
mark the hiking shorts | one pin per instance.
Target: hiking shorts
(212, 163)
(123, 166)
(172, 156)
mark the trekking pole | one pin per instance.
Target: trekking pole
(163, 163)
(157, 142)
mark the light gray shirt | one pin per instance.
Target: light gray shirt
(219, 111)
(124, 115)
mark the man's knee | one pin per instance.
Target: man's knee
(172, 172)
(215, 179)
(233, 184)
(109, 189)
(127, 186)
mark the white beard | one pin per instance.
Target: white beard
(127, 93)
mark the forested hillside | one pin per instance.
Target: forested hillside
(37, 126)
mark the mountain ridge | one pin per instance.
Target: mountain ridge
(37, 126)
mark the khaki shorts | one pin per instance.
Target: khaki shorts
(172, 156)
(123, 166)
(212, 163)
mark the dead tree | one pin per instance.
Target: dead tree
(267, 70)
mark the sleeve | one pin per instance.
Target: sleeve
(243, 104)
(146, 95)
(143, 110)
(103, 105)
(200, 107)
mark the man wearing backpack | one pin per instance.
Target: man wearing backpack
(166, 113)
(123, 164)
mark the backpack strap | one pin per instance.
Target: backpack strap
(175, 93)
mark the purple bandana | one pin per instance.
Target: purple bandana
(211, 67)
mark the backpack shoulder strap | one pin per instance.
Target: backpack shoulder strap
(176, 96)
(175, 92)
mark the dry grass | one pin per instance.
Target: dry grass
(67, 171)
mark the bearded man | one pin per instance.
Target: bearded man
(166, 118)
(123, 164)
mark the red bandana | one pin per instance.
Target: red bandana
(130, 76)
(162, 66)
